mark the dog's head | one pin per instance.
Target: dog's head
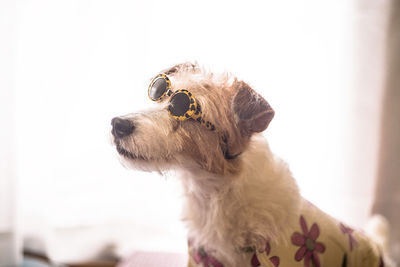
(155, 140)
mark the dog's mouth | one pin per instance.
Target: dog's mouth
(127, 154)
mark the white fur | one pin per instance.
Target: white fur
(230, 213)
(378, 230)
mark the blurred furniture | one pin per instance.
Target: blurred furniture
(33, 262)
(154, 259)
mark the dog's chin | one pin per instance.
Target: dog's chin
(141, 162)
(129, 155)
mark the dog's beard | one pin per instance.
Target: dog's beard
(127, 154)
(138, 161)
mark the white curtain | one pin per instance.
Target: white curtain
(9, 239)
(387, 197)
(80, 63)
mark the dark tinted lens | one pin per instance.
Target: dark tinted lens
(179, 104)
(158, 88)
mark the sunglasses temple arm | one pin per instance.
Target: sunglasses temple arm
(206, 123)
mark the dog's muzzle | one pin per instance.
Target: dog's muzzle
(121, 127)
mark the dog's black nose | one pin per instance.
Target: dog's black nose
(121, 127)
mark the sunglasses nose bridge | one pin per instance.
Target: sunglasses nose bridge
(169, 92)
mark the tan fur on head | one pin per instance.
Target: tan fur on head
(225, 208)
(160, 142)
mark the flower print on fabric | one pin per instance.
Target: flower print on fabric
(309, 247)
(349, 231)
(201, 256)
(274, 259)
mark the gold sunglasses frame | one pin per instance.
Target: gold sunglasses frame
(193, 112)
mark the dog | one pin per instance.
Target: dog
(243, 207)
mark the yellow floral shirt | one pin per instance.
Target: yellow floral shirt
(318, 240)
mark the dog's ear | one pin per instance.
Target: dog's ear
(252, 112)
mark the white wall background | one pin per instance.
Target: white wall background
(80, 63)
(9, 245)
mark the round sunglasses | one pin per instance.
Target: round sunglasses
(182, 104)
